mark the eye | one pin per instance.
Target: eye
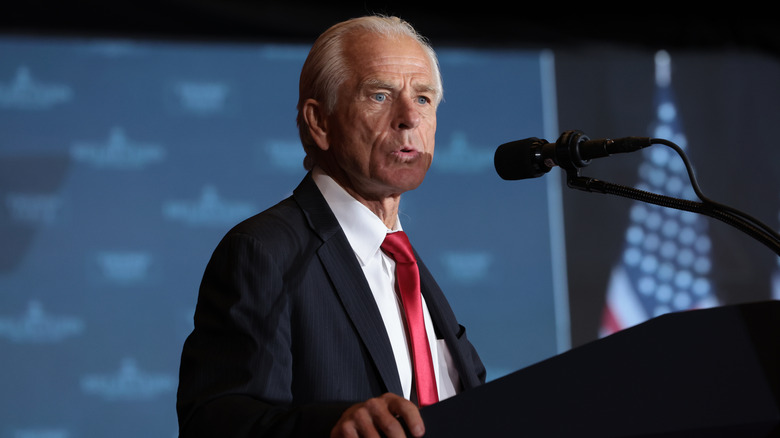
(380, 97)
(422, 100)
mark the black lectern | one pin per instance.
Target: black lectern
(701, 373)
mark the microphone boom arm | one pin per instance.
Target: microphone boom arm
(729, 215)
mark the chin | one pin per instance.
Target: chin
(411, 183)
(400, 179)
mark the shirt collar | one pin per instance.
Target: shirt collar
(364, 230)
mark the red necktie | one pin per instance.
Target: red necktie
(397, 246)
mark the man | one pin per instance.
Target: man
(298, 328)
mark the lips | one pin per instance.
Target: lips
(407, 148)
(406, 152)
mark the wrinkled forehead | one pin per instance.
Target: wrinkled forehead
(370, 55)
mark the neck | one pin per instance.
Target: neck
(384, 207)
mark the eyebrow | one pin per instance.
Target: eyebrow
(378, 83)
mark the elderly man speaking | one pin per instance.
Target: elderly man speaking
(316, 317)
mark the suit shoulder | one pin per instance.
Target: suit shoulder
(284, 222)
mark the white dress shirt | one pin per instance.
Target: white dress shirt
(365, 233)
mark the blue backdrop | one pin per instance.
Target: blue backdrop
(122, 163)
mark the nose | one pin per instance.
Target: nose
(407, 114)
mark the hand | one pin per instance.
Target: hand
(380, 414)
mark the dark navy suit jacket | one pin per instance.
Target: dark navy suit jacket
(287, 333)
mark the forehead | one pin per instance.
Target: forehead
(372, 54)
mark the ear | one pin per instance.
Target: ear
(315, 118)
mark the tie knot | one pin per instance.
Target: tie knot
(397, 246)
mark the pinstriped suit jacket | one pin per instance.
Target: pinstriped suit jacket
(287, 334)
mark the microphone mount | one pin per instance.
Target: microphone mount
(567, 147)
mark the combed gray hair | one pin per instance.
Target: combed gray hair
(325, 69)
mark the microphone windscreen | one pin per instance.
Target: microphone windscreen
(513, 160)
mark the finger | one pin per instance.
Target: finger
(356, 422)
(409, 413)
(373, 416)
(367, 419)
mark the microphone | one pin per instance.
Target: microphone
(533, 157)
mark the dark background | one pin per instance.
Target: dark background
(654, 26)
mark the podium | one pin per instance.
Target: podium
(701, 373)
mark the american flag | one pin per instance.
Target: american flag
(666, 257)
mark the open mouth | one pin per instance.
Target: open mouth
(407, 152)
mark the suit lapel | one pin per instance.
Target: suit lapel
(349, 282)
(444, 321)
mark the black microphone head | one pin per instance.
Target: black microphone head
(520, 159)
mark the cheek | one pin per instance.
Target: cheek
(364, 129)
(350, 135)
(430, 137)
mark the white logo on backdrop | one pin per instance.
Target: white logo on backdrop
(117, 152)
(124, 267)
(41, 433)
(285, 155)
(25, 93)
(37, 326)
(459, 156)
(467, 266)
(130, 383)
(210, 209)
(202, 97)
(36, 209)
